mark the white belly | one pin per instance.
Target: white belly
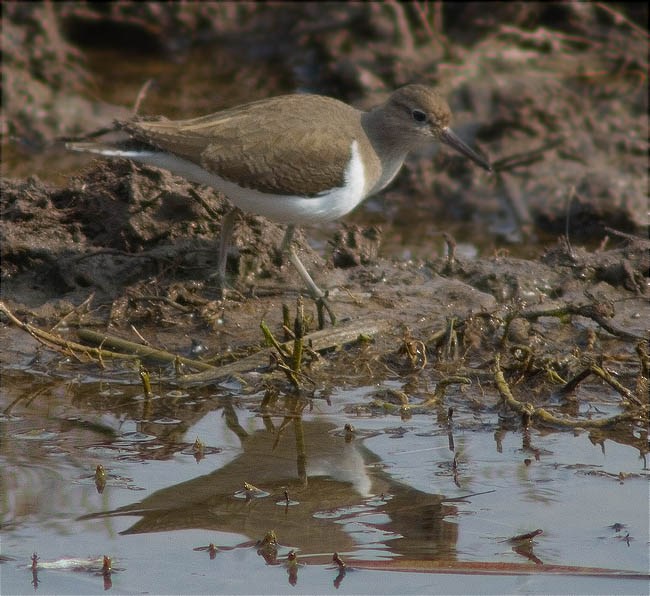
(327, 206)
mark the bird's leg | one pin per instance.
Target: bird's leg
(316, 293)
(227, 226)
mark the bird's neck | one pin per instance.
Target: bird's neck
(387, 143)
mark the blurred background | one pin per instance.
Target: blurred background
(555, 93)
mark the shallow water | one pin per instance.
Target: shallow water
(386, 499)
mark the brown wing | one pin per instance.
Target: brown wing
(295, 144)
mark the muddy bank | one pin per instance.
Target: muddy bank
(120, 229)
(128, 251)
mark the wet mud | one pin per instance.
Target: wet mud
(120, 245)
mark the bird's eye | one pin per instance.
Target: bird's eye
(419, 116)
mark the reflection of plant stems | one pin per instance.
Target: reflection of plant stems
(232, 422)
(301, 452)
(286, 421)
(28, 399)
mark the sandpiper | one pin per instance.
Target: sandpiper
(295, 159)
